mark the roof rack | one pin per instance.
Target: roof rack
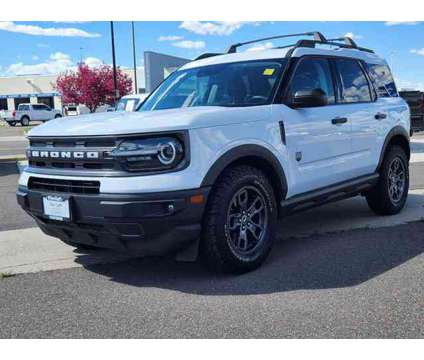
(318, 39)
(316, 34)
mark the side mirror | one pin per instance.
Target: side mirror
(309, 98)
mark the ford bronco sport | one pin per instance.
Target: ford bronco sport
(221, 149)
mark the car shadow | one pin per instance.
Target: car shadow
(323, 261)
(8, 167)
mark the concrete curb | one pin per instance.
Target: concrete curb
(15, 157)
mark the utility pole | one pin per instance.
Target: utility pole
(115, 83)
(134, 58)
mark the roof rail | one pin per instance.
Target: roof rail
(318, 37)
(347, 44)
(207, 55)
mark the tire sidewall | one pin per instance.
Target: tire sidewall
(257, 256)
(25, 121)
(395, 152)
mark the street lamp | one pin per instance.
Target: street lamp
(115, 83)
(134, 58)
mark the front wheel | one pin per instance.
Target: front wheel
(389, 195)
(57, 116)
(240, 220)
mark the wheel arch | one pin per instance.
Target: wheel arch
(253, 155)
(397, 136)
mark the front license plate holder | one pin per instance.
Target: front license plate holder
(57, 207)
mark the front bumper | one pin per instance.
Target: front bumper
(145, 224)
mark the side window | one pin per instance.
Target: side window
(311, 74)
(383, 80)
(355, 87)
(38, 107)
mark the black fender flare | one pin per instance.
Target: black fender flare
(396, 131)
(245, 151)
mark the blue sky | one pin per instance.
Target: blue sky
(52, 47)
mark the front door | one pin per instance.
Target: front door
(318, 138)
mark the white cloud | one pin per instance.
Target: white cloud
(35, 57)
(262, 46)
(212, 28)
(417, 51)
(57, 63)
(38, 30)
(170, 38)
(42, 45)
(394, 23)
(409, 85)
(188, 44)
(93, 61)
(353, 36)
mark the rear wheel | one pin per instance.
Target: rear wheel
(12, 123)
(25, 121)
(389, 195)
(240, 221)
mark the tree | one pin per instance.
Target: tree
(92, 87)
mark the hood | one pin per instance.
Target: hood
(120, 123)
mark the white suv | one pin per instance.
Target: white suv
(220, 150)
(33, 112)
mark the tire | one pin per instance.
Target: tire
(388, 197)
(57, 116)
(25, 121)
(225, 246)
(12, 123)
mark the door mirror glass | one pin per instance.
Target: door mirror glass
(309, 98)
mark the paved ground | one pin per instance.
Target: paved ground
(362, 283)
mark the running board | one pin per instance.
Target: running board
(328, 194)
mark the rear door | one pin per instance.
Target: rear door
(37, 112)
(318, 138)
(358, 102)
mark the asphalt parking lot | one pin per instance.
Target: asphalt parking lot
(347, 273)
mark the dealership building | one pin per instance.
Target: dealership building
(36, 89)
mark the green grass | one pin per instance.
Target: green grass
(5, 275)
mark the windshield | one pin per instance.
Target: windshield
(127, 104)
(234, 84)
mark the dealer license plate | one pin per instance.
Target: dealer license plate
(56, 207)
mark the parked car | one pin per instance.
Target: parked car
(224, 147)
(74, 110)
(33, 112)
(415, 100)
(130, 102)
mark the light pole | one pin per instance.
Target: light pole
(115, 84)
(134, 58)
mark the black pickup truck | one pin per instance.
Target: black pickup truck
(415, 100)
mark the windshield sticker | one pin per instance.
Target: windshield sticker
(268, 72)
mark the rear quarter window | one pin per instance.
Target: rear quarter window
(382, 79)
(23, 107)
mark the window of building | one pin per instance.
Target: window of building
(47, 100)
(355, 87)
(312, 74)
(383, 80)
(3, 104)
(23, 100)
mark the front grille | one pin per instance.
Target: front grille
(64, 186)
(102, 146)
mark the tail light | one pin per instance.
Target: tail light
(14, 113)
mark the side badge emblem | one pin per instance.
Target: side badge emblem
(298, 155)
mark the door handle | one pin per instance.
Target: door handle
(339, 120)
(380, 116)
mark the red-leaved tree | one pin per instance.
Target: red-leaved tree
(92, 87)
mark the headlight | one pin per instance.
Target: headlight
(150, 154)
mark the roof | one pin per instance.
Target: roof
(279, 53)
